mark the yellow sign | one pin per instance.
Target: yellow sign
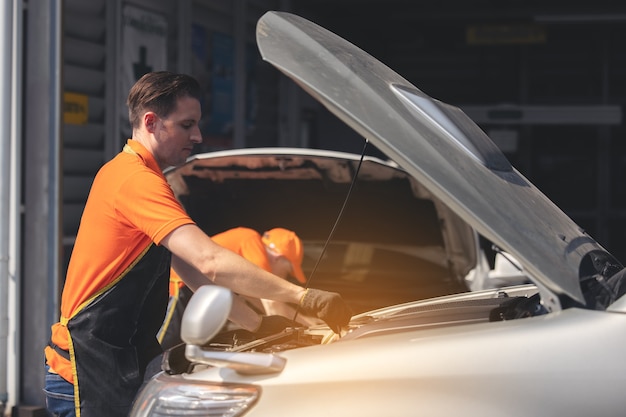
(75, 108)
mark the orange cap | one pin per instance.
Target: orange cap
(288, 244)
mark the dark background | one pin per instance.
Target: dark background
(515, 53)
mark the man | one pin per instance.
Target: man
(278, 251)
(131, 232)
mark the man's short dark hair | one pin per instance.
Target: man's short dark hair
(158, 92)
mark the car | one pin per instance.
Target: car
(402, 237)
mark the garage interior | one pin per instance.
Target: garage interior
(545, 79)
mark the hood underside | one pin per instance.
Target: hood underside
(435, 143)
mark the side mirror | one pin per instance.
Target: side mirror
(206, 314)
(204, 317)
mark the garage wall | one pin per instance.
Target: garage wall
(85, 95)
(241, 102)
(95, 125)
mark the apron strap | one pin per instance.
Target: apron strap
(62, 352)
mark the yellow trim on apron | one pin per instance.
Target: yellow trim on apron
(170, 313)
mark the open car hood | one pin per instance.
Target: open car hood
(436, 143)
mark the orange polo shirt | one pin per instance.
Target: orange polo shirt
(130, 207)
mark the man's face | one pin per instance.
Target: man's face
(177, 133)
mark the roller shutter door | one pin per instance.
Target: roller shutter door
(84, 109)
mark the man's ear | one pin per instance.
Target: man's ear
(150, 120)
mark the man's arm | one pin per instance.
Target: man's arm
(241, 313)
(218, 265)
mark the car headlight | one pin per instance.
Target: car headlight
(175, 396)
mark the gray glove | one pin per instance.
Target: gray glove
(328, 306)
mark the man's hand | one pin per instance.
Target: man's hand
(328, 306)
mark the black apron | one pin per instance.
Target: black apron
(113, 338)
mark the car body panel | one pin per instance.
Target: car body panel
(551, 365)
(436, 143)
(492, 369)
